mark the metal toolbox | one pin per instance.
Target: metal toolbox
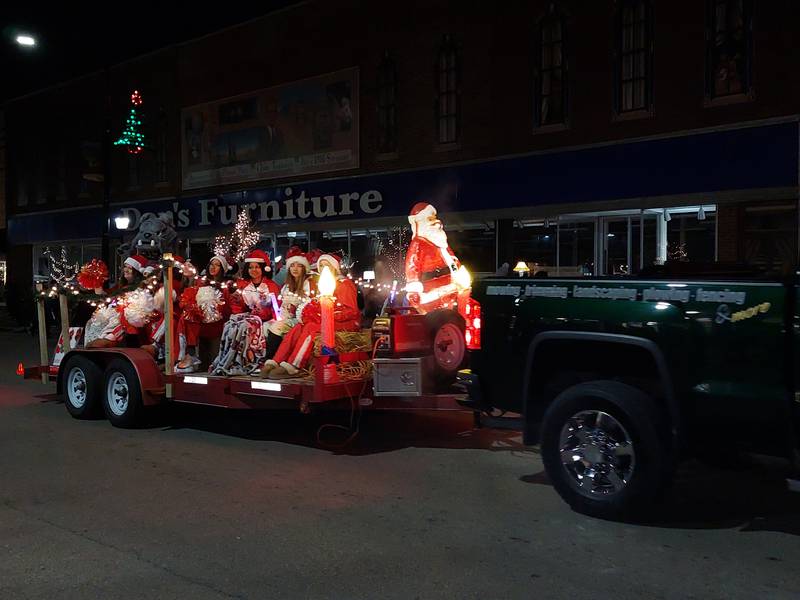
(400, 376)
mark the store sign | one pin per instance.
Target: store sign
(282, 206)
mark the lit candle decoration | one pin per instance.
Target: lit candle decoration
(327, 286)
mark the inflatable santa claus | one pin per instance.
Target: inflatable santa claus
(434, 275)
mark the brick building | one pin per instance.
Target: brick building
(588, 137)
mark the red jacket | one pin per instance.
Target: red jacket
(255, 301)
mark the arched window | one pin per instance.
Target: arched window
(550, 72)
(448, 101)
(387, 105)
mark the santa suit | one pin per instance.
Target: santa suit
(298, 345)
(255, 300)
(429, 273)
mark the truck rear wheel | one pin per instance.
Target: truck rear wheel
(83, 381)
(122, 398)
(604, 449)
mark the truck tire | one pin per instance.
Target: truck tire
(122, 394)
(83, 382)
(604, 449)
(449, 347)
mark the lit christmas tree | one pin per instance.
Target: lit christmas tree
(132, 137)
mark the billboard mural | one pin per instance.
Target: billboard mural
(304, 127)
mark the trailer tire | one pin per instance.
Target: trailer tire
(122, 394)
(604, 449)
(83, 383)
(448, 344)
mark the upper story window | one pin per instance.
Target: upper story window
(634, 57)
(729, 47)
(387, 105)
(550, 72)
(448, 101)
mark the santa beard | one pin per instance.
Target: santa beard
(434, 234)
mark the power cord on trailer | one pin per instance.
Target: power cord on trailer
(355, 412)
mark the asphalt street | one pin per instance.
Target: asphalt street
(206, 503)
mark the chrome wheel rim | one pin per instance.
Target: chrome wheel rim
(76, 387)
(597, 453)
(449, 346)
(117, 394)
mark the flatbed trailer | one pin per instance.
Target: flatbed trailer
(121, 382)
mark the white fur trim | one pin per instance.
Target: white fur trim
(134, 264)
(304, 348)
(330, 259)
(298, 259)
(414, 287)
(223, 261)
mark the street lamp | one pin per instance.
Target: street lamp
(25, 40)
(122, 221)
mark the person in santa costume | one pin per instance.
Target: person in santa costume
(107, 324)
(253, 305)
(254, 289)
(297, 290)
(204, 309)
(297, 346)
(132, 274)
(431, 265)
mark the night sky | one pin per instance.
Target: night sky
(75, 38)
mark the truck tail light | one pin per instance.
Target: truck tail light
(472, 318)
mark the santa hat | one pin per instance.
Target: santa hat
(313, 257)
(420, 213)
(258, 256)
(334, 259)
(178, 260)
(137, 262)
(296, 255)
(226, 266)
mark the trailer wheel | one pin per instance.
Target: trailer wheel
(448, 344)
(604, 450)
(122, 398)
(83, 381)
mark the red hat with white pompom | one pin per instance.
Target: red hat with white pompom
(332, 258)
(313, 257)
(296, 255)
(223, 260)
(258, 256)
(137, 262)
(420, 212)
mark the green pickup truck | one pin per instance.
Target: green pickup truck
(617, 378)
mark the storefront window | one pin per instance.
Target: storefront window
(691, 238)
(644, 240)
(576, 248)
(475, 246)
